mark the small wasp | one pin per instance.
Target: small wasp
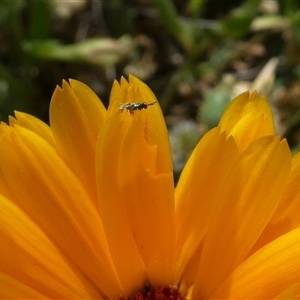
(131, 107)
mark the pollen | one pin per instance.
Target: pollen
(157, 293)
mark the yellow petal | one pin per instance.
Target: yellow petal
(247, 118)
(76, 116)
(287, 215)
(267, 273)
(289, 206)
(12, 288)
(188, 277)
(149, 197)
(44, 187)
(136, 188)
(137, 91)
(30, 257)
(34, 124)
(291, 293)
(248, 201)
(200, 187)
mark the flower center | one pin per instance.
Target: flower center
(157, 293)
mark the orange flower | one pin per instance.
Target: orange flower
(89, 210)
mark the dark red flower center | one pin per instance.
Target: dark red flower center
(157, 293)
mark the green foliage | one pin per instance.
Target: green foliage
(188, 45)
(183, 137)
(40, 19)
(103, 52)
(214, 103)
(180, 28)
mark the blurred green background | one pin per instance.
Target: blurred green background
(195, 55)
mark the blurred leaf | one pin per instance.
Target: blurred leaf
(102, 51)
(168, 15)
(66, 9)
(250, 5)
(40, 16)
(295, 25)
(236, 25)
(183, 138)
(10, 16)
(219, 59)
(195, 7)
(224, 54)
(214, 103)
(296, 32)
(189, 34)
(289, 6)
(270, 22)
(10, 7)
(14, 94)
(181, 29)
(205, 69)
